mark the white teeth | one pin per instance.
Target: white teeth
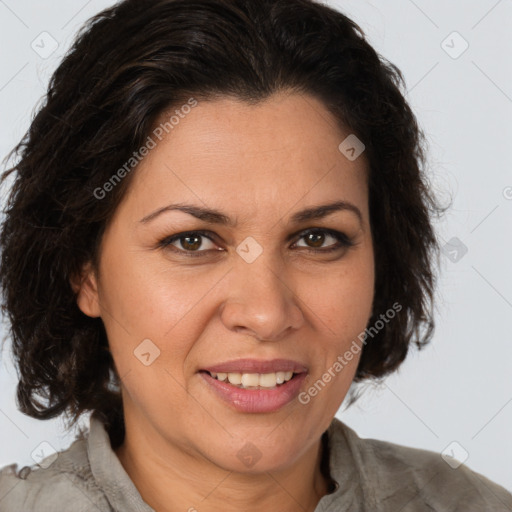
(250, 379)
(267, 380)
(254, 380)
(234, 378)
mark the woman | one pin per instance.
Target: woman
(219, 221)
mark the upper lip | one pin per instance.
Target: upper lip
(257, 366)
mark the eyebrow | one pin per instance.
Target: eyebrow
(213, 216)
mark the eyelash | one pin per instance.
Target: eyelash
(343, 241)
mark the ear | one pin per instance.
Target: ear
(86, 288)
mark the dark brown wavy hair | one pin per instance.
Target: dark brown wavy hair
(128, 65)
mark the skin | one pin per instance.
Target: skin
(258, 164)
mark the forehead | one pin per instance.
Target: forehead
(223, 152)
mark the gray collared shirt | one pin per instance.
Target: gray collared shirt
(371, 475)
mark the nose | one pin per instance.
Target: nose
(261, 302)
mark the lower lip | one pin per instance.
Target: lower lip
(256, 400)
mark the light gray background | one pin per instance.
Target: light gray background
(459, 388)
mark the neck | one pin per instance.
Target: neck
(170, 479)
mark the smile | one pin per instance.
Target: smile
(254, 380)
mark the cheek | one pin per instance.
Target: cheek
(341, 304)
(149, 299)
(342, 297)
(155, 320)
(146, 294)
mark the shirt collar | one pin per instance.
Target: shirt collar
(343, 468)
(109, 472)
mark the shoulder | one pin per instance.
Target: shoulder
(396, 476)
(62, 481)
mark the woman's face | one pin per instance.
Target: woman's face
(260, 286)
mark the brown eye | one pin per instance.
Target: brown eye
(316, 238)
(190, 243)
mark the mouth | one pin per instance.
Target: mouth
(254, 381)
(252, 386)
